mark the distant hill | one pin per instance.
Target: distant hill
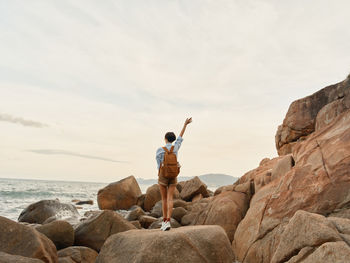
(211, 180)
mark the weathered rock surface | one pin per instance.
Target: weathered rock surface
(193, 187)
(134, 213)
(153, 196)
(300, 119)
(119, 195)
(319, 183)
(23, 240)
(146, 221)
(157, 209)
(44, 209)
(178, 213)
(94, 231)
(8, 258)
(77, 254)
(185, 244)
(226, 210)
(61, 233)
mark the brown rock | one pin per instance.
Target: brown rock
(8, 258)
(77, 255)
(157, 209)
(141, 200)
(153, 196)
(136, 223)
(22, 240)
(301, 116)
(134, 213)
(282, 166)
(226, 210)
(94, 231)
(327, 114)
(224, 188)
(61, 233)
(319, 182)
(119, 195)
(304, 230)
(193, 187)
(178, 213)
(44, 209)
(180, 185)
(185, 244)
(146, 221)
(86, 202)
(335, 252)
(197, 197)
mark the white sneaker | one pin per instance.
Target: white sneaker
(163, 225)
(167, 226)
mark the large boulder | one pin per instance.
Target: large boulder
(300, 119)
(193, 187)
(61, 233)
(44, 209)
(94, 231)
(77, 255)
(185, 244)
(226, 210)
(153, 196)
(119, 195)
(8, 258)
(319, 183)
(23, 240)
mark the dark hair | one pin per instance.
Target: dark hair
(170, 136)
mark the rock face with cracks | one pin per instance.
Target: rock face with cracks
(319, 183)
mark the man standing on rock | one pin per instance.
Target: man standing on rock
(168, 170)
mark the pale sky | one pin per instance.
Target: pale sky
(89, 88)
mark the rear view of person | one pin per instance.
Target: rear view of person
(168, 169)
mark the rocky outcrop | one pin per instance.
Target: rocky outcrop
(94, 231)
(119, 195)
(226, 210)
(23, 240)
(146, 221)
(153, 196)
(8, 258)
(44, 209)
(300, 120)
(306, 232)
(319, 182)
(192, 188)
(185, 244)
(77, 255)
(61, 233)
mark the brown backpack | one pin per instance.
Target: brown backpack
(170, 167)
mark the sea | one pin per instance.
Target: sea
(17, 194)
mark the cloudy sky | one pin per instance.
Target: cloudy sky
(89, 88)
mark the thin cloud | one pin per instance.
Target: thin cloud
(19, 120)
(62, 152)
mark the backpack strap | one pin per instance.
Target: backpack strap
(172, 149)
(166, 149)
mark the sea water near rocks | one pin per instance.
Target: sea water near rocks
(17, 194)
